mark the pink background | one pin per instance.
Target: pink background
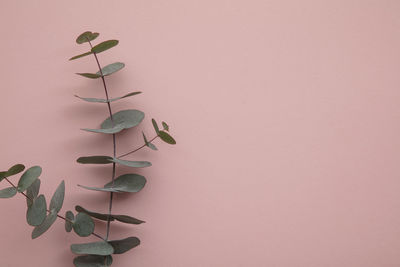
(286, 115)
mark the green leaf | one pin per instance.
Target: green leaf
(148, 144)
(111, 68)
(15, 169)
(69, 221)
(47, 223)
(128, 183)
(81, 55)
(94, 248)
(124, 183)
(97, 100)
(98, 188)
(125, 118)
(103, 46)
(83, 225)
(58, 198)
(93, 261)
(37, 212)
(124, 245)
(104, 217)
(166, 138)
(113, 130)
(32, 192)
(89, 75)
(95, 160)
(8, 192)
(28, 178)
(155, 125)
(133, 164)
(165, 125)
(3, 175)
(86, 37)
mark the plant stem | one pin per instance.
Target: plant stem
(133, 151)
(59, 216)
(114, 144)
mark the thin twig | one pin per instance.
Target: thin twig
(137, 149)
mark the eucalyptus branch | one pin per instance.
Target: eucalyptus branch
(42, 217)
(114, 141)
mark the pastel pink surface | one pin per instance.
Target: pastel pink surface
(286, 115)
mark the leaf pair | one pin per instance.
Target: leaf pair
(82, 224)
(123, 119)
(104, 248)
(163, 134)
(127, 183)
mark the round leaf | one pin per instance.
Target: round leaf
(103, 46)
(124, 245)
(94, 248)
(128, 183)
(8, 192)
(58, 198)
(81, 55)
(28, 178)
(155, 125)
(86, 37)
(165, 125)
(125, 119)
(37, 212)
(69, 221)
(46, 224)
(83, 225)
(97, 100)
(98, 188)
(90, 75)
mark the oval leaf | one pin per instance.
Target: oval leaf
(133, 164)
(95, 160)
(111, 68)
(93, 261)
(155, 125)
(15, 169)
(83, 225)
(28, 178)
(37, 212)
(124, 245)
(94, 248)
(86, 37)
(69, 221)
(165, 125)
(32, 192)
(103, 46)
(98, 100)
(166, 138)
(8, 192)
(46, 224)
(125, 119)
(98, 188)
(104, 217)
(58, 198)
(113, 130)
(81, 55)
(90, 75)
(128, 183)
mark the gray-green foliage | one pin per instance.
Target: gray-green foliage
(42, 217)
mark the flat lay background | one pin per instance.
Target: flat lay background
(286, 115)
